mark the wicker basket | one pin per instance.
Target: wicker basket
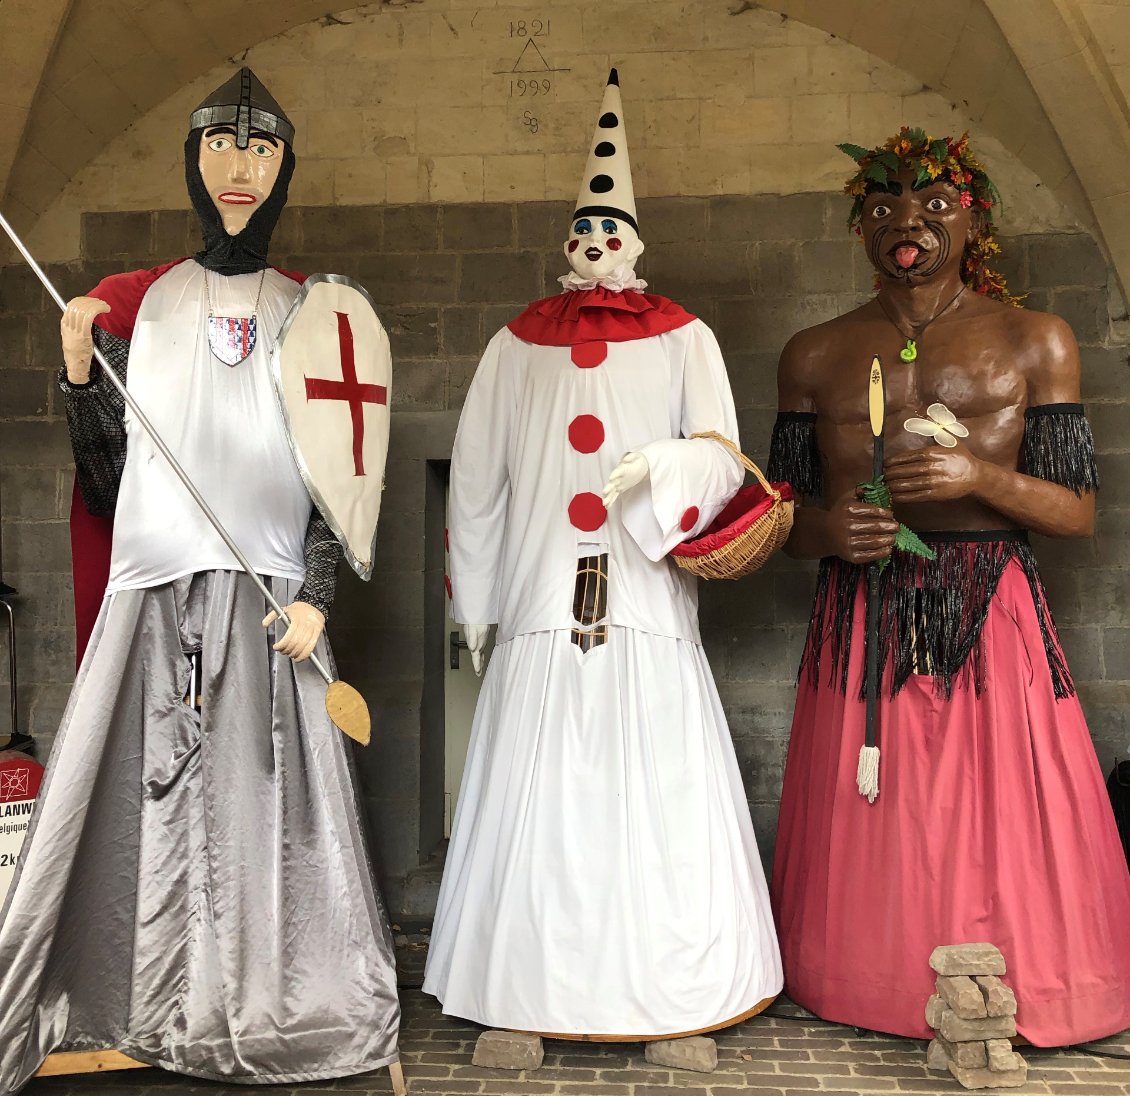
(751, 527)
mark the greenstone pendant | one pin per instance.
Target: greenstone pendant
(909, 353)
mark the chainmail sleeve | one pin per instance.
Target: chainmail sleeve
(95, 418)
(322, 553)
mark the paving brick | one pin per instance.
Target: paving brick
(963, 995)
(954, 959)
(507, 1050)
(697, 1053)
(350, 229)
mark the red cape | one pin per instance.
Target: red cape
(91, 536)
(597, 315)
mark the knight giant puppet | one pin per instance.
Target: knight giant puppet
(603, 876)
(195, 891)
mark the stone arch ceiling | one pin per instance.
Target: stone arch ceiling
(114, 60)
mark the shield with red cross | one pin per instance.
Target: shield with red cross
(333, 377)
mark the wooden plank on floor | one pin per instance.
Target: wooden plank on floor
(86, 1061)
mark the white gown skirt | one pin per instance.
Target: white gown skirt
(603, 875)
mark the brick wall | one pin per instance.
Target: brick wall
(445, 278)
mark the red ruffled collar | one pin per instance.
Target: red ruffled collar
(592, 315)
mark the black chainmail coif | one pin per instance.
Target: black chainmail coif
(245, 253)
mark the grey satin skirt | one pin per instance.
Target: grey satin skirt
(195, 889)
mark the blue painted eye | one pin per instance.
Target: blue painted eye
(609, 227)
(583, 227)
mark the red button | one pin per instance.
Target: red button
(586, 433)
(689, 519)
(587, 355)
(587, 512)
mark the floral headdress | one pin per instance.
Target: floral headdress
(952, 162)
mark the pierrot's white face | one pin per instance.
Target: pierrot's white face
(599, 245)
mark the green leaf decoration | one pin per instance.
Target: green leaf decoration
(916, 136)
(877, 493)
(856, 152)
(940, 149)
(922, 177)
(876, 173)
(889, 160)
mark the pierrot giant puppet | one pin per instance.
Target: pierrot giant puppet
(195, 890)
(603, 877)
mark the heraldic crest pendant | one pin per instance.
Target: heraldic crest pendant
(232, 338)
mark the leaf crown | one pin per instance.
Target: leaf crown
(933, 159)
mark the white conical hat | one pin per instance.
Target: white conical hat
(606, 187)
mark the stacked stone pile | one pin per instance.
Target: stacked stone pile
(973, 1014)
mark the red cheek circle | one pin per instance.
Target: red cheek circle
(573, 245)
(614, 244)
(587, 355)
(586, 433)
(447, 585)
(689, 519)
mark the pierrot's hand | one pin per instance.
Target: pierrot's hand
(476, 636)
(631, 470)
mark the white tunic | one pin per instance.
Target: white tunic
(603, 876)
(224, 426)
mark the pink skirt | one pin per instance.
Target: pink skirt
(992, 824)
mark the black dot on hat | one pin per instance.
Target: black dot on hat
(601, 184)
(608, 120)
(605, 148)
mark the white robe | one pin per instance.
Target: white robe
(603, 875)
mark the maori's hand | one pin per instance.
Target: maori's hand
(78, 341)
(306, 627)
(932, 474)
(631, 470)
(476, 636)
(860, 532)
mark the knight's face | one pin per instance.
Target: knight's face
(598, 245)
(238, 180)
(914, 234)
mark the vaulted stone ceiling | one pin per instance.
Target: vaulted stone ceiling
(1046, 77)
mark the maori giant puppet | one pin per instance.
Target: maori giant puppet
(991, 821)
(603, 877)
(195, 891)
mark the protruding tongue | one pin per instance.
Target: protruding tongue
(906, 256)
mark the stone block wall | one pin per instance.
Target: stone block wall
(445, 277)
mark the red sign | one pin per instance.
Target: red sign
(20, 777)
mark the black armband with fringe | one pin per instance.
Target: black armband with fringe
(1059, 447)
(793, 455)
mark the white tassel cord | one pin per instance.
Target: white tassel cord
(867, 775)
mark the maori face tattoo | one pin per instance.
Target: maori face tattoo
(597, 245)
(238, 180)
(913, 235)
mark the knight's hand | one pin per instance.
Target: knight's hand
(306, 627)
(631, 470)
(78, 340)
(476, 636)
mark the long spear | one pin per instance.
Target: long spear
(867, 775)
(344, 704)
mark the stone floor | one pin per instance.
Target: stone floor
(785, 1052)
